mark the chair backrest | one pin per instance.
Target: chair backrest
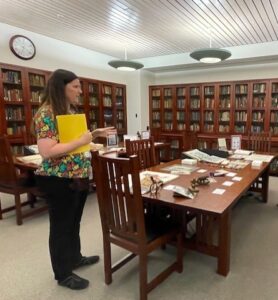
(260, 142)
(144, 149)
(8, 173)
(119, 197)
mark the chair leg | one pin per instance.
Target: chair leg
(18, 210)
(107, 260)
(180, 252)
(143, 260)
(1, 215)
(32, 199)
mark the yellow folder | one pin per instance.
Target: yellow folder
(71, 127)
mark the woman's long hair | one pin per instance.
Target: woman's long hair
(54, 94)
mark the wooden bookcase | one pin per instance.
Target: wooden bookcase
(104, 103)
(212, 110)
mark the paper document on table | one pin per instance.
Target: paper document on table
(180, 169)
(201, 156)
(31, 159)
(243, 152)
(260, 157)
(146, 181)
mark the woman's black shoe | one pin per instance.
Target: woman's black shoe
(86, 261)
(74, 282)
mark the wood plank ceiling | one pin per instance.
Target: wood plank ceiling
(146, 28)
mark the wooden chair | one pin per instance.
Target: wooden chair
(13, 183)
(259, 142)
(144, 149)
(123, 223)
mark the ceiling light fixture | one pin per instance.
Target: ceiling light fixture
(210, 55)
(125, 65)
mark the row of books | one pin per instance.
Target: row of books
(13, 95)
(11, 76)
(37, 80)
(14, 114)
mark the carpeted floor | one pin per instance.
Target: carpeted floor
(25, 271)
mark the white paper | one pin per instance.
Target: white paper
(33, 159)
(260, 157)
(227, 183)
(231, 174)
(219, 191)
(202, 171)
(169, 187)
(237, 178)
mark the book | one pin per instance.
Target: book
(71, 127)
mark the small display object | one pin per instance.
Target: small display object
(236, 142)
(222, 144)
(145, 135)
(112, 140)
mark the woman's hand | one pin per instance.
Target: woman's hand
(103, 132)
(85, 138)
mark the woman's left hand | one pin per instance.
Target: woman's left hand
(104, 132)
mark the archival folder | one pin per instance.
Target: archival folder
(71, 127)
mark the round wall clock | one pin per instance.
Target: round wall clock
(22, 47)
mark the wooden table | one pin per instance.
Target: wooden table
(212, 211)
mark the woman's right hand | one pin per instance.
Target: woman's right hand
(85, 138)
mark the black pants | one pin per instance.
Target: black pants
(66, 199)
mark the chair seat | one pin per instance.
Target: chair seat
(23, 181)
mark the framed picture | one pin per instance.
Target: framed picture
(236, 142)
(112, 140)
(145, 135)
(222, 145)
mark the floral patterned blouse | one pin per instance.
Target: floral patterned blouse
(75, 165)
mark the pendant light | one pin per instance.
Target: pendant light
(210, 55)
(125, 65)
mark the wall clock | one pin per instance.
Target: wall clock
(22, 47)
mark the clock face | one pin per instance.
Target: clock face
(22, 47)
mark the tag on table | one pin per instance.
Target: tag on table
(231, 174)
(202, 171)
(219, 191)
(227, 183)
(237, 178)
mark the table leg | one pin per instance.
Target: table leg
(265, 182)
(224, 239)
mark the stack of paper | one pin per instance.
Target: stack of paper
(31, 159)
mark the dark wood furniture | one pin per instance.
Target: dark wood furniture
(13, 183)
(259, 142)
(214, 109)
(104, 103)
(144, 149)
(122, 219)
(212, 211)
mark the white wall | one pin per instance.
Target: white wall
(53, 54)
(229, 73)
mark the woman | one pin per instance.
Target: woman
(64, 177)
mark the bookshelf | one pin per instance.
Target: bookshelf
(195, 108)
(214, 109)
(224, 105)
(20, 97)
(104, 103)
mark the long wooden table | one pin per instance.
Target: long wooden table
(212, 211)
